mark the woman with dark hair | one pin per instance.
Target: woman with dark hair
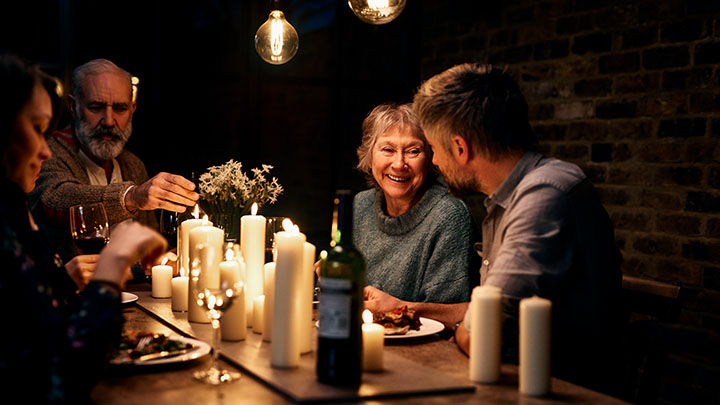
(59, 339)
(416, 239)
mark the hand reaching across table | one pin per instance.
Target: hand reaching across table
(167, 191)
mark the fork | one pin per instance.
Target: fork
(143, 342)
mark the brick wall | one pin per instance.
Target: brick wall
(630, 91)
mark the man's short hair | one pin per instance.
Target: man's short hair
(95, 67)
(480, 103)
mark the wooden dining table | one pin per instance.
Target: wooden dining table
(427, 370)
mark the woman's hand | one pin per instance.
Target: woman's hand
(80, 269)
(129, 243)
(379, 301)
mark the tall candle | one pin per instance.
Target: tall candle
(205, 254)
(535, 331)
(373, 338)
(180, 293)
(252, 244)
(307, 282)
(269, 288)
(233, 324)
(485, 334)
(183, 241)
(258, 314)
(285, 348)
(161, 284)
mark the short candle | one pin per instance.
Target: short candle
(373, 337)
(161, 276)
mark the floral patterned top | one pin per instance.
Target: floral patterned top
(54, 344)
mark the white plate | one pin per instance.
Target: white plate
(200, 349)
(428, 327)
(128, 297)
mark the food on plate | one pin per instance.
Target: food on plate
(399, 321)
(136, 344)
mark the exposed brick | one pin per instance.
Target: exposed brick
(634, 266)
(679, 175)
(662, 199)
(550, 132)
(687, 79)
(638, 83)
(655, 152)
(541, 111)
(700, 201)
(702, 151)
(582, 67)
(619, 63)
(653, 11)
(596, 42)
(610, 195)
(656, 245)
(712, 228)
(566, 25)
(615, 17)
(631, 129)
(711, 278)
(631, 219)
(715, 128)
(588, 131)
(639, 37)
(682, 128)
(574, 110)
(631, 174)
(683, 31)
(702, 7)
(674, 271)
(661, 58)
(703, 250)
(596, 174)
(571, 152)
(503, 38)
(551, 49)
(584, 5)
(679, 224)
(714, 176)
(601, 152)
(708, 53)
(520, 15)
(555, 8)
(621, 152)
(517, 54)
(593, 88)
(616, 109)
(705, 102)
(664, 105)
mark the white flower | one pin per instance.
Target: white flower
(227, 183)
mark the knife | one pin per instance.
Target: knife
(164, 354)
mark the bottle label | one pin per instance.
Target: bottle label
(334, 308)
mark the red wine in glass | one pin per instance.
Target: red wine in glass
(90, 245)
(89, 227)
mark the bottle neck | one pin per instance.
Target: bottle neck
(342, 220)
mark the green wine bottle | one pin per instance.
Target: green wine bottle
(342, 278)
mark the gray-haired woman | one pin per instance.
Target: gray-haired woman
(416, 238)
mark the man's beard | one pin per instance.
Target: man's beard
(461, 186)
(92, 139)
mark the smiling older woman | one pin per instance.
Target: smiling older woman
(415, 237)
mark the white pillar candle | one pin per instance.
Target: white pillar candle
(485, 334)
(161, 284)
(373, 338)
(285, 348)
(535, 331)
(258, 313)
(180, 293)
(233, 324)
(269, 288)
(183, 243)
(206, 243)
(306, 297)
(252, 244)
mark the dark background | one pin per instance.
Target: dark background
(628, 90)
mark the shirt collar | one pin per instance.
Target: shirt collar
(96, 174)
(502, 194)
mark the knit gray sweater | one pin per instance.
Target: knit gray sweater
(423, 255)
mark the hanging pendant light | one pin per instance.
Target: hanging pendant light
(276, 41)
(377, 11)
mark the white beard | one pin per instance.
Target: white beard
(101, 148)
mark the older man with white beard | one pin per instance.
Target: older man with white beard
(89, 163)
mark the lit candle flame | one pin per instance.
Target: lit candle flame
(254, 209)
(196, 212)
(164, 260)
(287, 225)
(229, 255)
(367, 316)
(323, 254)
(205, 220)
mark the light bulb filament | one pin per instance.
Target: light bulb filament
(276, 36)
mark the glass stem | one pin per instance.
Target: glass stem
(216, 342)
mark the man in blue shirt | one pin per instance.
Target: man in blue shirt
(546, 232)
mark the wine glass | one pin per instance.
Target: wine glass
(273, 225)
(89, 227)
(214, 301)
(168, 226)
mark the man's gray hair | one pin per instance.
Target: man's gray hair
(95, 67)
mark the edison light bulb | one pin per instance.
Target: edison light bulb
(276, 41)
(377, 11)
